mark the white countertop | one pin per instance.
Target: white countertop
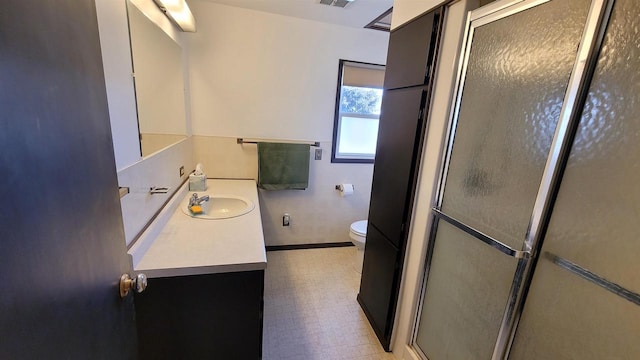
(191, 246)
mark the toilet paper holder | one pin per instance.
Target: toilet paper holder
(345, 189)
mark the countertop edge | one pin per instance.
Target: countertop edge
(202, 270)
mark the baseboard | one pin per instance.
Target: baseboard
(308, 246)
(410, 354)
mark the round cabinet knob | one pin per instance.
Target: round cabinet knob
(137, 284)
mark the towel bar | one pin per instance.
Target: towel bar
(312, 143)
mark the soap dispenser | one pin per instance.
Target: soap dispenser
(198, 180)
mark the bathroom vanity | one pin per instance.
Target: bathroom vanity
(206, 280)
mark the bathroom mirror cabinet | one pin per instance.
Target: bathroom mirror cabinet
(159, 83)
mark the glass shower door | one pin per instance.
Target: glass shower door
(517, 67)
(584, 299)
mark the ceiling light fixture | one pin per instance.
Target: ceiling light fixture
(178, 11)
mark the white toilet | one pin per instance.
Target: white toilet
(358, 235)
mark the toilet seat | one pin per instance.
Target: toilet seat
(359, 228)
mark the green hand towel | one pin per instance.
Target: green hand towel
(283, 166)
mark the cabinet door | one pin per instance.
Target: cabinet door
(379, 285)
(399, 136)
(411, 51)
(211, 316)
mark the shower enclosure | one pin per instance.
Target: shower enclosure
(533, 247)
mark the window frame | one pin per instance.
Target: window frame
(337, 117)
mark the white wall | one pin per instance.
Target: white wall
(261, 75)
(256, 74)
(444, 87)
(135, 172)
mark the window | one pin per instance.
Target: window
(355, 127)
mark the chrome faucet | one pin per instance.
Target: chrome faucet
(195, 200)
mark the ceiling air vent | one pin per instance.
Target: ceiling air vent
(382, 22)
(338, 3)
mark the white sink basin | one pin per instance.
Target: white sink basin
(220, 207)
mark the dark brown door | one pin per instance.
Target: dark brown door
(62, 246)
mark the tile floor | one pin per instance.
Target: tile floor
(310, 308)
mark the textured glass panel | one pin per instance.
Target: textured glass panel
(518, 72)
(596, 218)
(567, 317)
(465, 298)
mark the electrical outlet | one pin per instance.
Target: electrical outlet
(286, 219)
(181, 171)
(318, 154)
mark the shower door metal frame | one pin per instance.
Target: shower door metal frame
(577, 88)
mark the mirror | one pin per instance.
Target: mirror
(159, 83)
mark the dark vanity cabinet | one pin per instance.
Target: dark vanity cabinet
(408, 82)
(211, 316)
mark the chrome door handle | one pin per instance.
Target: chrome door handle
(137, 284)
